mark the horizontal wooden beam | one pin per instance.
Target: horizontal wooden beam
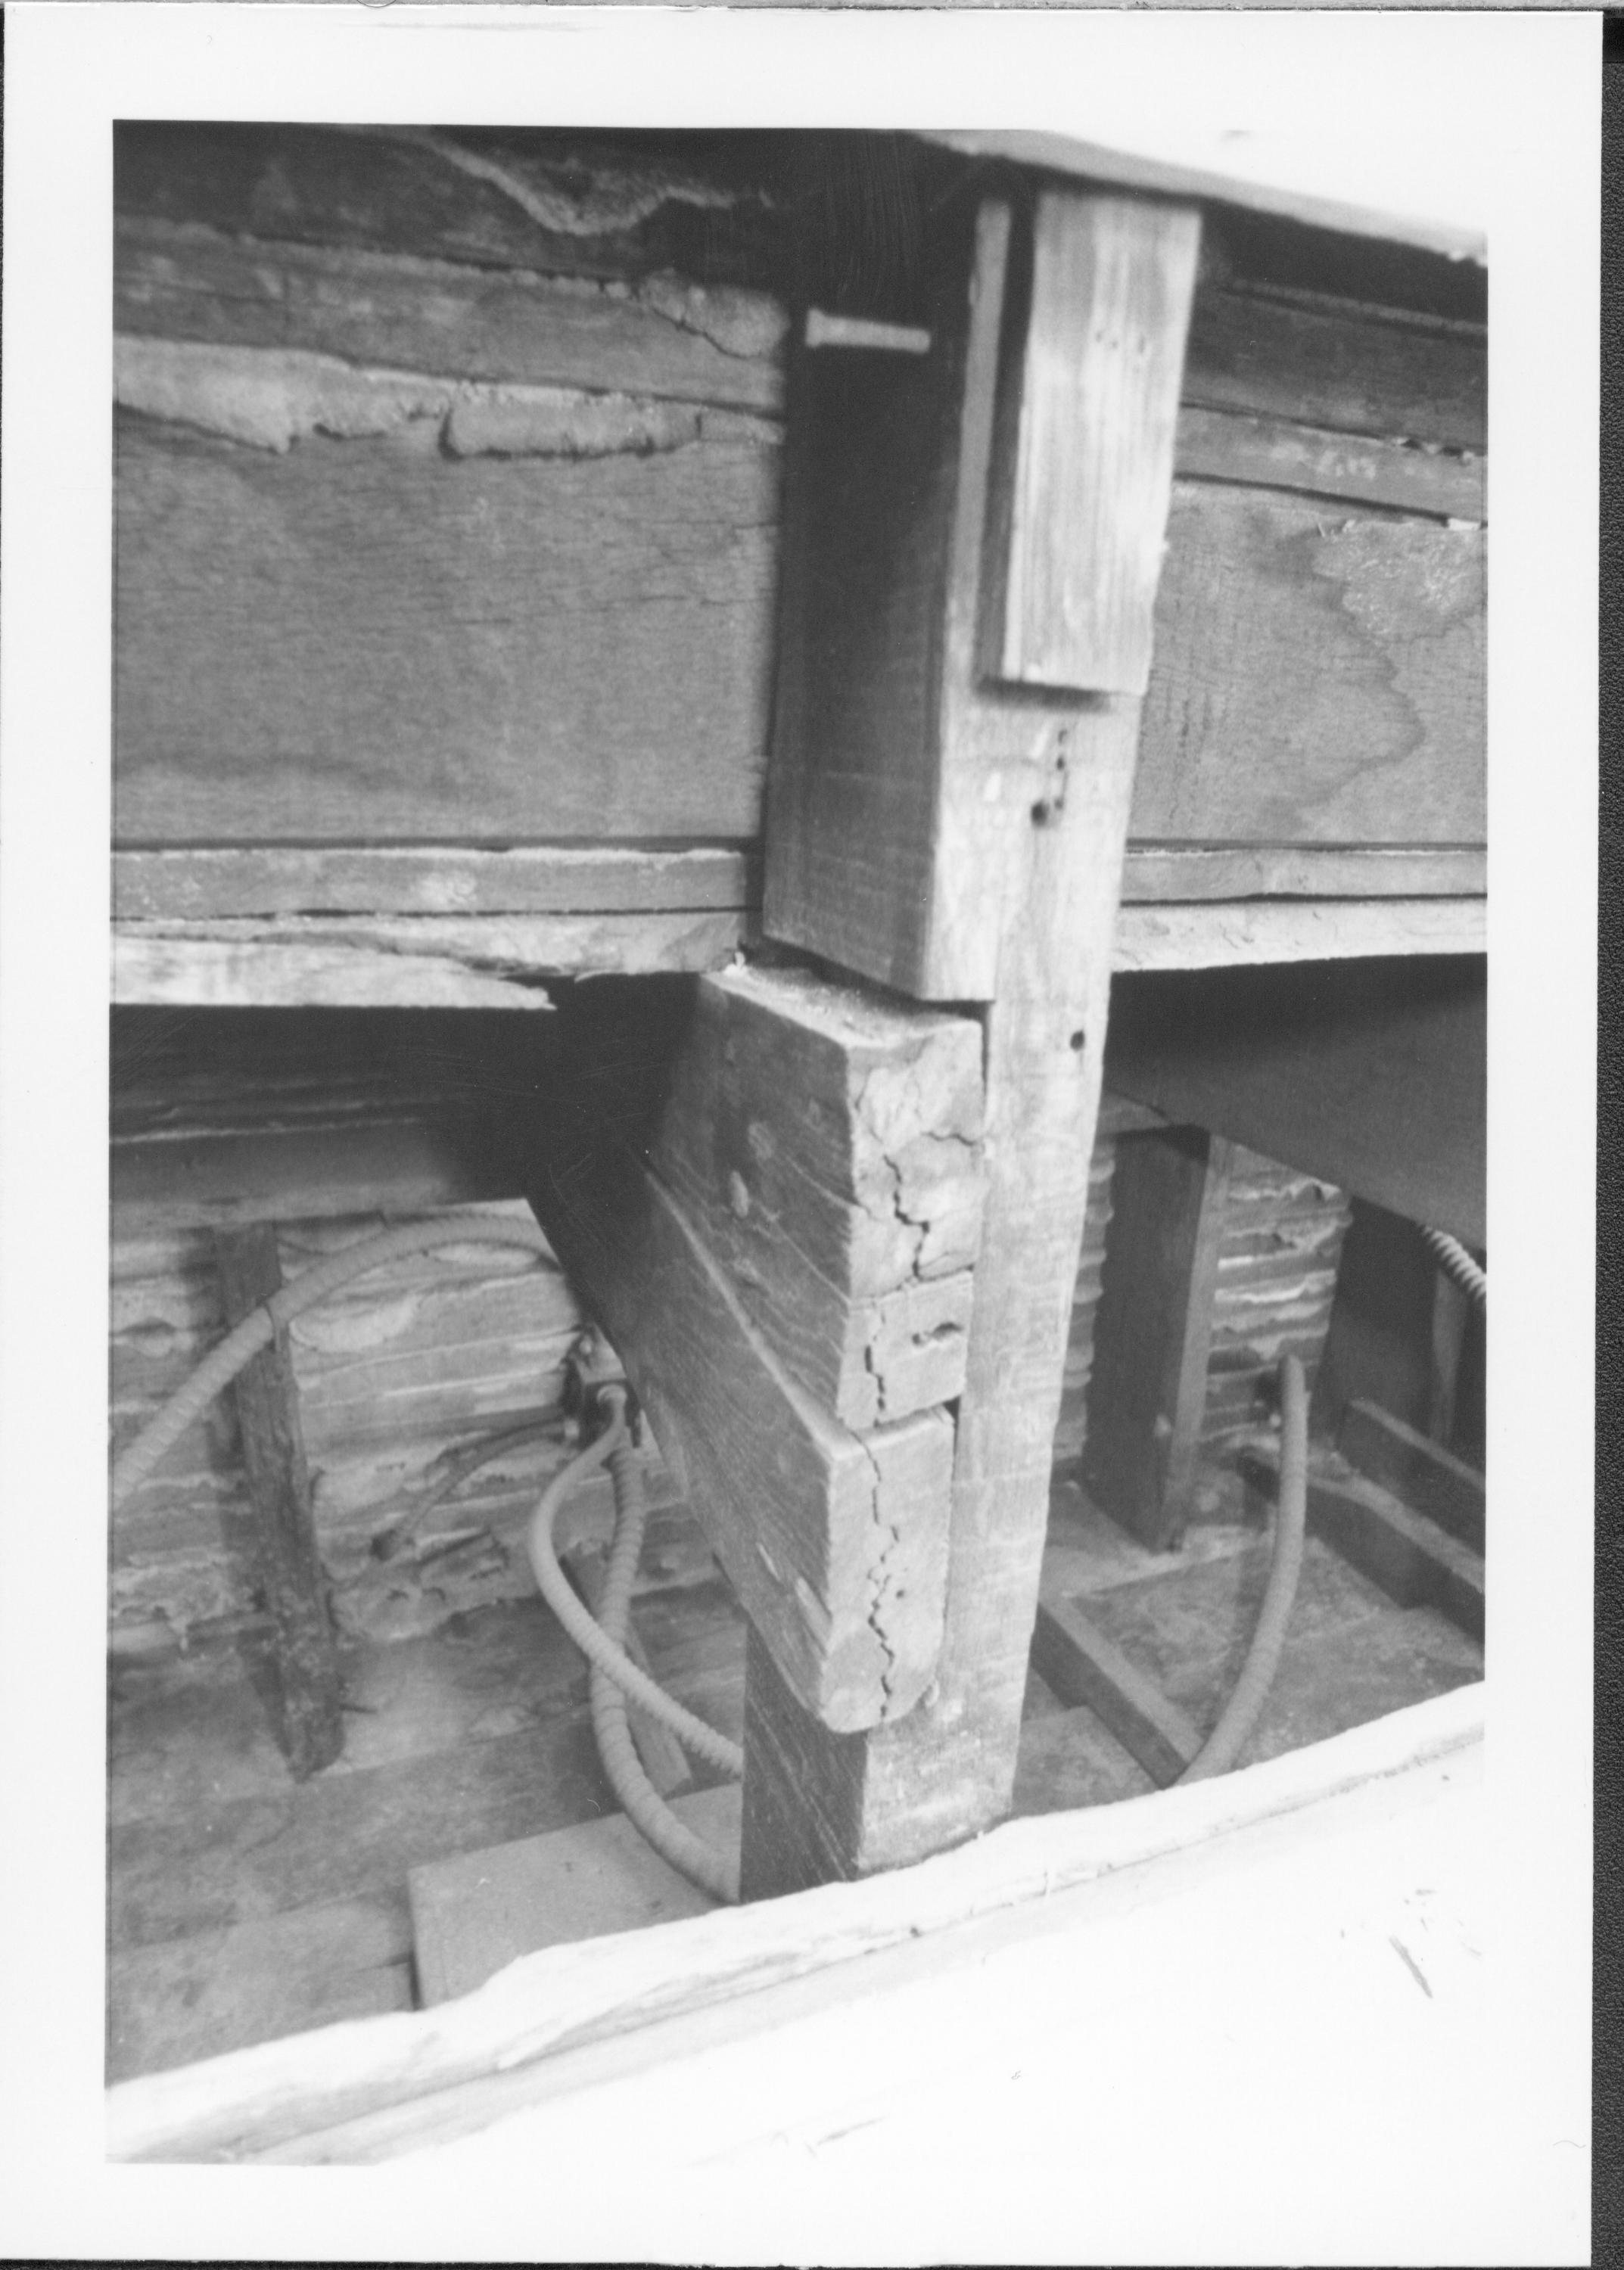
(200, 883)
(1216, 934)
(422, 961)
(1164, 873)
(1420, 1472)
(1073, 1656)
(1414, 1561)
(301, 1174)
(1278, 453)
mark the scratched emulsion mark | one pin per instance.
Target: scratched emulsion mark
(1410, 1963)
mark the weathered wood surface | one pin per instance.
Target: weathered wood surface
(287, 2092)
(1082, 454)
(1280, 453)
(833, 1540)
(416, 879)
(411, 961)
(1371, 1074)
(1161, 873)
(570, 202)
(266, 1394)
(662, 336)
(828, 1146)
(1071, 1427)
(368, 641)
(1074, 1657)
(1421, 1472)
(297, 1173)
(1318, 677)
(1276, 1279)
(1153, 1332)
(1031, 804)
(1217, 934)
(1417, 1562)
(1356, 371)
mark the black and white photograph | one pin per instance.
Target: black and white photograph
(747, 933)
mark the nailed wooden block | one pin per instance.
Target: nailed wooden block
(1084, 444)
(828, 1144)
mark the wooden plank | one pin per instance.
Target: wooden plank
(1219, 445)
(827, 1145)
(273, 1451)
(474, 1913)
(1319, 677)
(549, 878)
(290, 2090)
(320, 645)
(1074, 1657)
(415, 961)
(1351, 369)
(562, 202)
(1369, 1074)
(1216, 934)
(832, 1541)
(1418, 1563)
(1421, 1472)
(1153, 1330)
(1174, 873)
(1083, 443)
(661, 336)
(409, 1168)
(1031, 804)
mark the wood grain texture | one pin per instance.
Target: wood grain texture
(422, 961)
(367, 642)
(1421, 1472)
(833, 1541)
(1031, 816)
(1318, 677)
(411, 1167)
(1279, 453)
(1153, 1330)
(1215, 934)
(1164, 873)
(406, 314)
(420, 879)
(1083, 455)
(1354, 370)
(1371, 1074)
(267, 1398)
(828, 1144)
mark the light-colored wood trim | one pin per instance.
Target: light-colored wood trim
(1221, 933)
(286, 2093)
(1275, 453)
(1171, 873)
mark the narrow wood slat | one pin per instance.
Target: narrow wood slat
(1420, 1472)
(267, 1399)
(1221, 935)
(1076, 1658)
(1161, 873)
(1280, 453)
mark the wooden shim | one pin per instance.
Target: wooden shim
(1319, 677)
(1273, 453)
(1083, 458)
(255, 2099)
(323, 645)
(425, 961)
(1336, 368)
(1370, 1075)
(549, 878)
(415, 314)
(1072, 1655)
(827, 1144)
(833, 1542)
(1162, 872)
(1414, 1561)
(1154, 1329)
(273, 1451)
(1421, 1472)
(1219, 934)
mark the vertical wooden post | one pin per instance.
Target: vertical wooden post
(273, 1449)
(1153, 1330)
(1010, 896)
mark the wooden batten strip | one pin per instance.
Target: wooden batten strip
(1160, 874)
(1217, 934)
(1274, 453)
